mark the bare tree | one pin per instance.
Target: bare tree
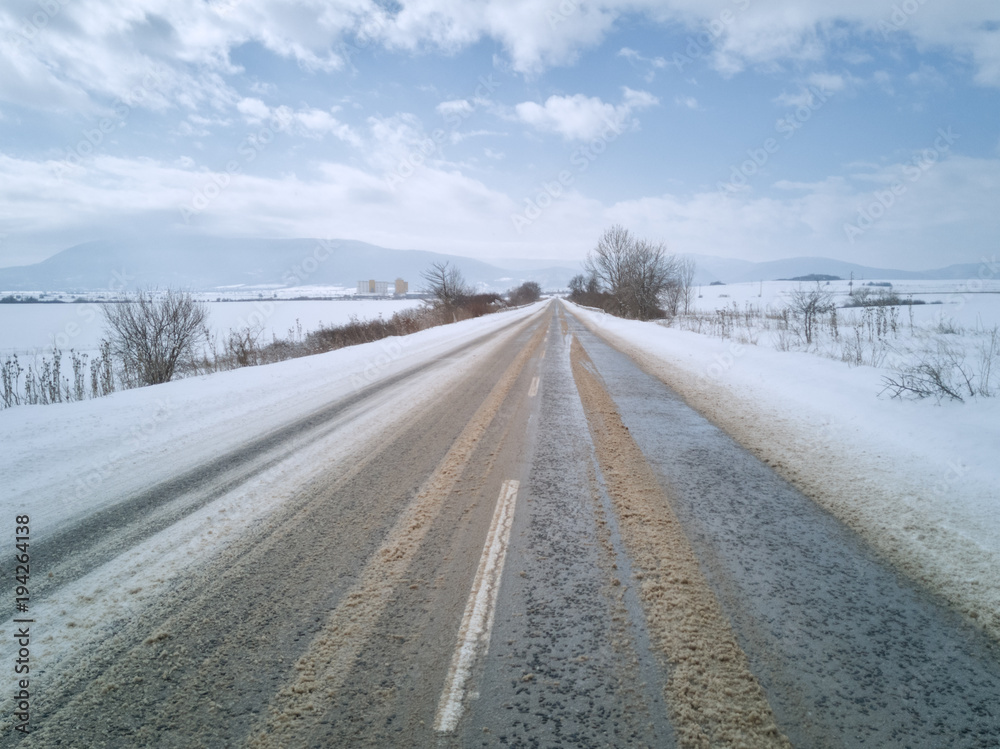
(685, 279)
(651, 276)
(808, 304)
(446, 283)
(676, 296)
(607, 263)
(150, 333)
(637, 273)
(242, 346)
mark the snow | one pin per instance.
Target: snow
(26, 329)
(917, 479)
(968, 303)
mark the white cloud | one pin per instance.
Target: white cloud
(188, 129)
(816, 87)
(395, 139)
(253, 109)
(802, 98)
(459, 107)
(82, 55)
(831, 82)
(304, 122)
(952, 204)
(320, 122)
(580, 117)
(857, 57)
(539, 34)
(88, 53)
(535, 34)
(458, 136)
(686, 101)
(927, 76)
(883, 79)
(651, 64)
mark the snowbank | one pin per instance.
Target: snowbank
(63, 460)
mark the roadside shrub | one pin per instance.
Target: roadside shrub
(807, 305)
(526, 293)
(41, 381)
(942, 370)
(150, 334)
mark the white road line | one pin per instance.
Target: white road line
(477, 623)
(533, 390)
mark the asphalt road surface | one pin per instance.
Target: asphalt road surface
(561, 553)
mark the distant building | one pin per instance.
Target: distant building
(402, 287)
(373, 288)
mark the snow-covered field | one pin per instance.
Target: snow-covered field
(967, 303)
(917, 478)
(26, 329)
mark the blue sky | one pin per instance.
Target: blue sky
(756, 129)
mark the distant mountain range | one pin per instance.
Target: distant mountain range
(209, 263)
(729, 270)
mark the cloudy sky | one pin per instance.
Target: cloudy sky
(863, 130)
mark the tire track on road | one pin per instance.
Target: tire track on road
(713, 698)
(296, 713)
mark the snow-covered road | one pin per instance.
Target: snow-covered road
(498, 532)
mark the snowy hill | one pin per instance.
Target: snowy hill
(202, 263)
(729, 270)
